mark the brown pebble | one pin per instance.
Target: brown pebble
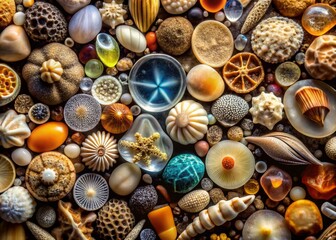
(235, 133)
(271, 204)
(78, 138)
(214, 135)
(248, 212)
(232, 233)
(124, 64)
(176, 210)
(79, 167)
(112, 71)
(286, 201)
(233, 195)
(163, 192)
(239, 225)
(281, 209)
(57, 113)
(147, 178)
(258, 204)
(31, 125)
(216, 195)
(20, 171)
(310, 238)
(202, 148)
(181, 227)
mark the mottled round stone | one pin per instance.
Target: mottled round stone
(184, 172)
(143, 200)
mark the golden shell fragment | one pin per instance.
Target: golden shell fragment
(99, 151)
(51, 71)
(144, 12)
(187, 122)
(194, 201)
(313, 103)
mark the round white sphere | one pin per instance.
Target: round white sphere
(220, 16)
(21, 156)
(126, 99)
(297, 193)
(19, 18)
(72, 150)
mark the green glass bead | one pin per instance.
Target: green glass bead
(94, 68)
(107, 49)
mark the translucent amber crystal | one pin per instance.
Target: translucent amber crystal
(163, 223)
(319, 19)
(276, 183)
(213, 5)
(320, 180)
(251, 187)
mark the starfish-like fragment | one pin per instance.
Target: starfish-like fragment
(145, 148)
(112, 14)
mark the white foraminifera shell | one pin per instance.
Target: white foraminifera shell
(187, 122)
(131, 38)
(99, 151)
(13, 129)
(17, 205)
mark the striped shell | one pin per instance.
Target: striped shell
(194, 201)
(284, 148)
(187, 122)
(99, 151)
(131, 38)
(144, 12)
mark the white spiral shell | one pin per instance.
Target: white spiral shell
(17, 205)
(216, 215)
(187, 122)
(99, 151)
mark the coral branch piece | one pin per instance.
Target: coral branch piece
(216, 215)
(144, 148)
(285, 148)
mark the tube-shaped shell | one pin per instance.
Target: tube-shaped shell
(284, 148)
(216, 215)
(187, 122)
(17, 205)
(194, 201)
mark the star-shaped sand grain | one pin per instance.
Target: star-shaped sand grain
(145, 148)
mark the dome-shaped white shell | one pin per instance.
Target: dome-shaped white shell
(16, 205)
(13, 129)
(187, 122)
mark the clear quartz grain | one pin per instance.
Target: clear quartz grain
(86, 84)
(233, 10)
(240, 42)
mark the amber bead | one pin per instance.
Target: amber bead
(163, 223)
(251, 187)
(117, 118)
(213, 5)
(47, 137)
(276, 183)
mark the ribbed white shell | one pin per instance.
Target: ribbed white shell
(91, 145)
(197, 122)
(13, 129)
(17, 205)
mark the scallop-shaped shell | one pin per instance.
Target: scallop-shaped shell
(99, 151)
(131, 38)
(13, 129)
(266, 109)
(187, 122)
(17, 205)
(91, 191)
(116, 118)
(144, 12)
(7, 173)
(194, 201)
(313, 103)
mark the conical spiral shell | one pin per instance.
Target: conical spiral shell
(216, 215)
(187, 122)
(99, 151)
(144, 12)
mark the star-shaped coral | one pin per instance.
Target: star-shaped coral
(112, 13)
(145, 148)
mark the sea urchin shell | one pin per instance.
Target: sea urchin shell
(91, 191)
(99, 151)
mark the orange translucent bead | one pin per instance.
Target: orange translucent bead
(48, 136)
(163, 223)
(320, 180)
(319, 19)
(116, 118)
(251, 187)
(276, 183)
(213, 5)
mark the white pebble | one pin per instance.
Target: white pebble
(126, 99)
(72, 150)
(21, 156)
(205, 14)
(220, 16)
(19, 18)
(261, 167)
(297, 193)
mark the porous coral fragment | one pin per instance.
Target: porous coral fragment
(144, 148)
(112, 13)
(266, 109)
(74, 224)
